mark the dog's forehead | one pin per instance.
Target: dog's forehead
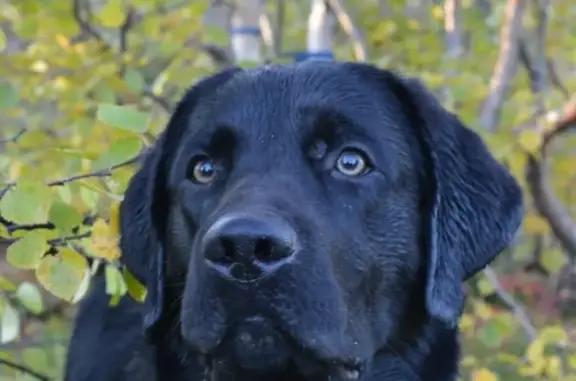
(280, 97)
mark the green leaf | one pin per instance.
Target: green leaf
(9, 324)
(7, 285)
(105, 94)
(84, 285)
(122, 117)
(2, 40)
(24, 204)
(490, 334)
(115, 285)
(112, 14)
(554, 260)
(62, 274)
(30, 297)
(64, 216)
(8, 96)
(134, 80)
(28, 250)
(485, 287)
(120, 151)
(136, 289)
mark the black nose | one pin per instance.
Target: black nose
(246, 247)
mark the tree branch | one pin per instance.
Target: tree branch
(505, 65)
(557, 123)
(24, 369)
(15, 138)
(347, 25)
(545, 200)
(85, 25)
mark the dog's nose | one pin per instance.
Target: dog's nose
(246, 247)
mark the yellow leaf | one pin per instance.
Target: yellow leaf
(104, 241)
(466, 322)
(62, 274)
(484, 374)
(115, 218)
(554, 367)
(534, 224)
(530, 140)
(2, 40)
(112, 14)
(554, 260)
(535, 351)
(555, 335)
(437, 12)
(482, 310)
(485, 287)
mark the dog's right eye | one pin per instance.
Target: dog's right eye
(353, 163)
(201, 170)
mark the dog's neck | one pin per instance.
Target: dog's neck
(417, 361)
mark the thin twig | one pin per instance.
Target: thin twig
(100, 173)
(160, 101)
(15, 138)
(516, 307)
(24, 369)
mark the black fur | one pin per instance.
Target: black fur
(374, 289)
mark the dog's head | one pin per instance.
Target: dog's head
(310, 213)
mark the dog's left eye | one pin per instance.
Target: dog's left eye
(353, 163)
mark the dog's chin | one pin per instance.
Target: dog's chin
(255, 346)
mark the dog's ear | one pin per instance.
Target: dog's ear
(143, 212)
(477, 206)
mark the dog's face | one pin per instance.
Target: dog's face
(299, 209)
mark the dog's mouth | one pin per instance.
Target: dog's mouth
(257, 347)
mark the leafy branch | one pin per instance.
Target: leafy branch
(12, 227)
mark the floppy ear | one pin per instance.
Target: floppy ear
(477, 205)
(143, 212)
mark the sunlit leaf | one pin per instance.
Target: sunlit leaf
(104, 241)
(134, 80)
(27, 251)
(7, 285)
(30, 297)
(62, 274)
(534, 224)
(64, 216)
(484, 374)
(136, 289)
(554, 260)
(24, 204)
(115, 284)
(8, 96)
(530, 140)
(9, 324)
(121, 150)
(112, 14)
(123, 117)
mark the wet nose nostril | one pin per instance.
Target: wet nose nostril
(228, 249)
(256, 246)
(263, 249)
(267, 249)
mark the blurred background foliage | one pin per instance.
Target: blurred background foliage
(87, 85)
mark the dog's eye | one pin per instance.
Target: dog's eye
(202, 170)
(353, 163)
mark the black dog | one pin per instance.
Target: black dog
(312, 221)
